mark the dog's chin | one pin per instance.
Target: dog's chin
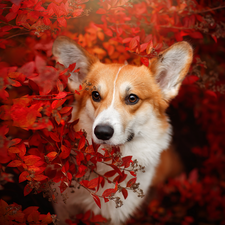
(108, 143)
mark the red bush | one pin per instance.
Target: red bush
(39, 142)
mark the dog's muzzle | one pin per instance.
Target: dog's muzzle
(103, 132)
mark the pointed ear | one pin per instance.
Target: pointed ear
(68, 52)
(171, 67)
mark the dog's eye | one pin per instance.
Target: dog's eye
(96, 96)
(132, 99)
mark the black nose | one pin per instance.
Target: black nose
(103, 132)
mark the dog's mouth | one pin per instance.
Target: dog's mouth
(130, 137)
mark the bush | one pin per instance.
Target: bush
(38, 143)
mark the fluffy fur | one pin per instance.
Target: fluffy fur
(141, 129)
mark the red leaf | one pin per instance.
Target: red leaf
(133, 43)
(27, 190)
(61, 95)
(57, 103)
(143, 47)
(54, 137)
(65, 110)
(214, 37)
(15, 83)
(125, 193)
(79, 157)
(62, 21)
(126, 40)
(40, 177)
(10, 16)
(69, 176)
(3, 207)
(82, 142)
(39, 7)
(46, 80)
(110, 173)
(16, 2)
(122, 178)
(30, 160)
(94, 182)
(145, 61)
(72, 67)
(47, 21)
(84, 183)
(23, 176)
(98, 219)
(97, 200)
(63, 186)
(77, 92)
(199, 18)
(65, 152)
(51, 155)
(133, 173)
(40, 64)
(54, 103)
(30, 209)
(116, 169)
(22, 149)
(196, 35)
(15, 141)
(126, 161)
(190, 79)
(53, 9)
(15, 163)
(131, 182)
(27, 69)
(13, 150)
(211, 93)
(108, 192)
(86, 216)
(46, 219)
(193, 175)
(33, 217)
(101, 11)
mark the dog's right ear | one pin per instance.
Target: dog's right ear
(68, 52)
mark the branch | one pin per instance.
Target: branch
(50, 99)
(209, 10)
(174, 27)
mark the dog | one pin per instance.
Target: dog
(126, 109)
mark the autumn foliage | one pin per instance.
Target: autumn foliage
(38, 143)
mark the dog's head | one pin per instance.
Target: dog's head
(124, 101)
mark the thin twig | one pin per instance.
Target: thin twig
(211, 9)
(174, 27)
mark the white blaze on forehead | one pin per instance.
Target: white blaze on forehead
(114, 86)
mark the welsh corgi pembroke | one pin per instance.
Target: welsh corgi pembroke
(126, 109)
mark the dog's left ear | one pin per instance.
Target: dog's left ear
(171, 67)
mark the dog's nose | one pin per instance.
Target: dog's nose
(103, 132)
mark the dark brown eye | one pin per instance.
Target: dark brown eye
(132, 99)
(96, 96)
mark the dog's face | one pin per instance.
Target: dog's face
(124, 99)
(121, 100)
